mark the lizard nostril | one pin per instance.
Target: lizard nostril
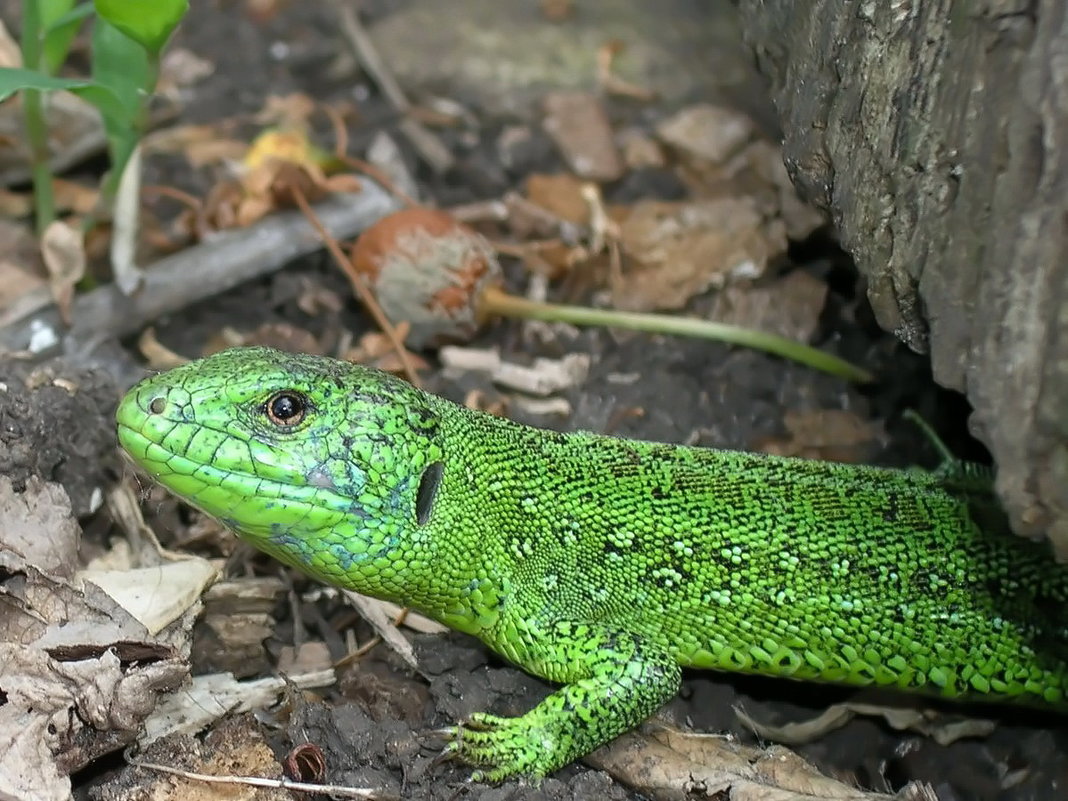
(157, 405)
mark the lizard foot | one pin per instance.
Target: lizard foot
(501, 747)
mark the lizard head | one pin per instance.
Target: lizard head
(328, 466)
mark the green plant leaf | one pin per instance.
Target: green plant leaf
(51, 10)
(60, 31)
(150, 23)
(15, 79)
(105, 100)
(123, 66)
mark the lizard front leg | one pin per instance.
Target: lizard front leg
(614, 681)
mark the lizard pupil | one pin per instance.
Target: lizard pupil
(286, 408)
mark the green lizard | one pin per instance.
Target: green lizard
(606, 565)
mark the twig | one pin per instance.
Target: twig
(335, 790)
(228, 259)
(365, 295)
(341, 145)
(605, 236)
(430, 148)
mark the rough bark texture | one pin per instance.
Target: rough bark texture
(936, 133)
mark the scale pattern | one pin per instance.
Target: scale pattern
(605, 564)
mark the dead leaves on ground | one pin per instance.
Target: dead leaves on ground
(80, 670)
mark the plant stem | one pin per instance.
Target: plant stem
(37, 135)
(495, 301)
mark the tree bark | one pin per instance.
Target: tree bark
(936, 134)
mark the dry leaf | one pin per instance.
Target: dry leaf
(282, 336)
(73, 197)
(307, 657)
(10, 52)
(137, 590)
(641, 151)
(790, 307)
(199, 144)
(157, 355)
(827, 434)
(20, 271)
(278, 163)
(675, 764)
(801, 219)
(710, 133)
(63, 251)
(559, 194)
(80, 675)
(682, 249)
(238, 616)
(557, 10)
(15, 205)
(578, 124)
(37, 524)
(181, 67)
(286, 111)
(376, 350)
(942, 728)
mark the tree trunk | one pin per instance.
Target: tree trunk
(936, 134)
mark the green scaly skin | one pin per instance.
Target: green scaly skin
(607, 565)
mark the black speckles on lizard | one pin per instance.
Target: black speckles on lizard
(608, 564)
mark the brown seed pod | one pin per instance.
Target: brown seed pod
(443, 278)
(429, 270)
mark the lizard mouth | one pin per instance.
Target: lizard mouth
(243, 500)
(180, 474)
(288, 521)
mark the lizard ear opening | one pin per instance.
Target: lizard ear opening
(428, 490)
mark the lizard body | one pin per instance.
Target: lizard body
(605, 564)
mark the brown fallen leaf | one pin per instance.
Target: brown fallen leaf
(282, 336)
(557, 10)
(235, 749)
(180, 67)
(764, 158)
(63, 252)
(374, 349)
(720, 153)
(712, 134)
(668, 763)
(277, 165)
(21, 272)
(942, 728)
(640, 150)
(833, 435)
(790, 306)
(238, 619)
(290, 112)
(578, 123)
(678, 250)
(80, 674)
(157, 355)
(201, 145)
(15, 205)
(559, 194)
(613, 84)
(37, 524)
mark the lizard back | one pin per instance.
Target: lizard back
(761, 564)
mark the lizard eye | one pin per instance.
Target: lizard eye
(286, 408)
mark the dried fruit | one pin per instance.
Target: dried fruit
(443, 279)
